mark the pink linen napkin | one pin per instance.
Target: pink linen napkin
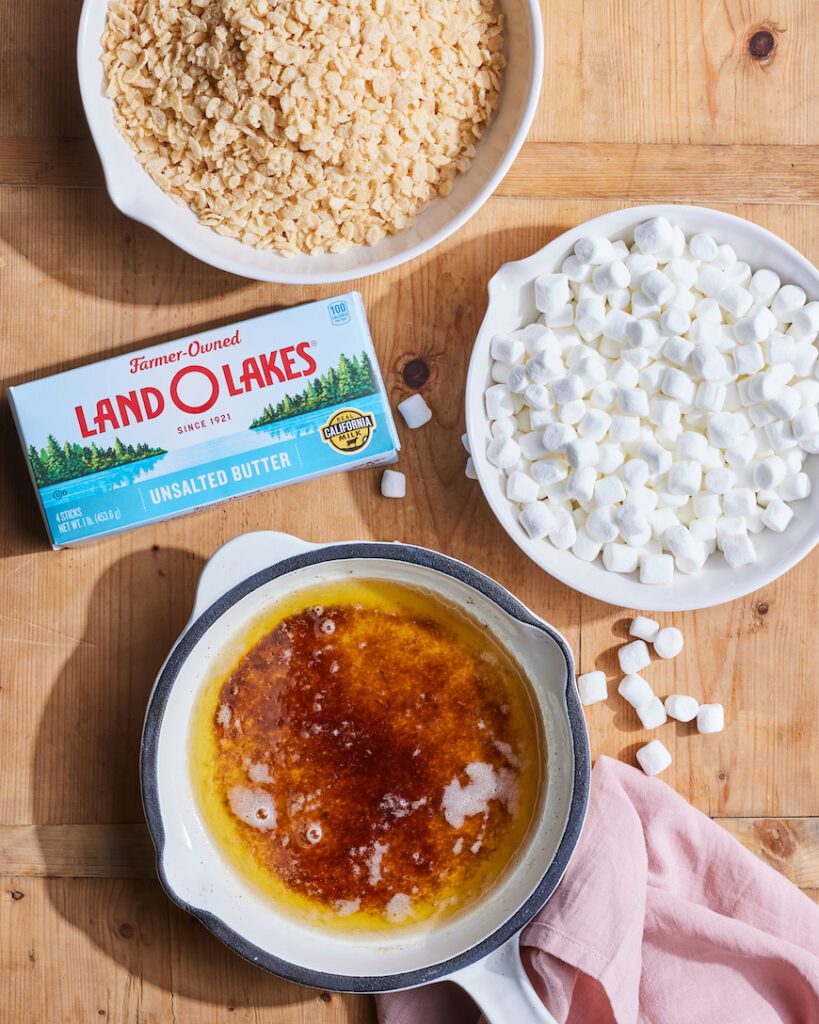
(661, 918)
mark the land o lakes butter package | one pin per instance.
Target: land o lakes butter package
(155, 433)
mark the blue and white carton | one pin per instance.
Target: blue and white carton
(156, 433)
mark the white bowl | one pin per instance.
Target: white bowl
(511, 304)
(134, 192)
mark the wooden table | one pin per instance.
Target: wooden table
(643, 100)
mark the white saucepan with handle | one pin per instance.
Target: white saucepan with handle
(479, 948)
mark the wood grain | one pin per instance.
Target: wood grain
(641, 102)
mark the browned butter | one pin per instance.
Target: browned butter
(368, 756)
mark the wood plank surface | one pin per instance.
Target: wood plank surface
(710, 102)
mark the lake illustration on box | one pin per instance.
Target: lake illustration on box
(257, 440)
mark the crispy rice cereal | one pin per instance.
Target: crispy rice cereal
(303, 125)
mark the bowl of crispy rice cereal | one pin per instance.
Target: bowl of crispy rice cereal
(305, 141)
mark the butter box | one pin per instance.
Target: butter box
(166, 430)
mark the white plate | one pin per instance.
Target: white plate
(512, 304)
(133, 191)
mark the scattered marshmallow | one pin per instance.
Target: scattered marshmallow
(644, 628)
(668, 642)
(634, 689)
(653, 758)
(592, 687)
(633, 657)
(393, 484)
(415, 411)
(681, 707)
(710, 718)
(652, 714)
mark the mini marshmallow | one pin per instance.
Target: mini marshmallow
(644, 628)
(594, 425)
(748, 359)
(723, 429)
(635, 473)
(656, 569)
(777, 515)
(652, 714)
(624, 429)
(503, 452)
(470, 471)
(580, 486)
(738, 550)
(589, 317)
(393, 484)
(674, 321)
(709, 362)
(564, 533)
(623, 374)
(582, 452)
(567, 389)
(504, 427)
(710, 281)
(609, 490)
(538, 396)
(499, 402)
(576, 270)
(719, 481)
(611, 458)
(655, 456)
(764, 285)
(620, 558)
(734, 299)
(551, 292)
(756, 326)
(544, 367)
(795, 488)
(664, 412)
(642, 306)
(786, 404)
(416, 412)
(788, 300)
(738, 502)
(681, 707)
(585, 548)
(653, 758)
(710, 718)
(769, 473)
(805, 423)
(635, 690)
(641, 333)
(779, 348)
(679, 386)
(805, 322)
(521, 488)
(685, 477)
(653, 235)
(507, 349)
(703, 247)
(741, 452)
(633, 657)
(658, 287)
(639, 264)
(548, 471)
(594, 250)
(557, 435)
(592, 687)
(610, 277)
(600, 525)
(668, 643)
(678, 351)
(633, 401)
(537, 519)
(710, 396)
(633, 524)
(517, 380)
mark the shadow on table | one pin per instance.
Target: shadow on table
(87, 747)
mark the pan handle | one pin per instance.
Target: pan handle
(499, 985)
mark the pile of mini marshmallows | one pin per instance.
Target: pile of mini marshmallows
(661, 406)
(652, 712)
(416, 413)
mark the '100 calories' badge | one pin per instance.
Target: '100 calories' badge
(349, 430)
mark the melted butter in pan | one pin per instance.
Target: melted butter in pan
(371, 758)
